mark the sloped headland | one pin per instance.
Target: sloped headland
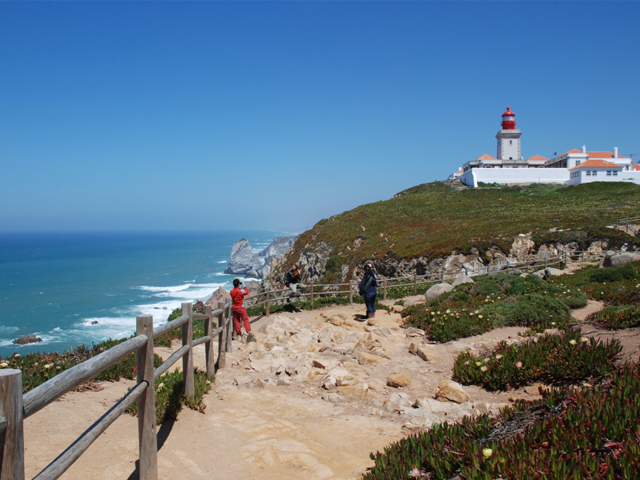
(431, 221)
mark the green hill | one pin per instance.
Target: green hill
(434, 219)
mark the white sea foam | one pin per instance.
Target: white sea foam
(5, 329)
(223, 261)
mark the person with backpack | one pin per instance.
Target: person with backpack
(368, 289)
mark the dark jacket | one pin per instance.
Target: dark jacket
(293, 277)
(368, 285)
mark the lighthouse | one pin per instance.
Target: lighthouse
(509, 149)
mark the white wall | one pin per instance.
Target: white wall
(518, 175)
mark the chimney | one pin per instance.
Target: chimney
(615, 152)
(584, 149)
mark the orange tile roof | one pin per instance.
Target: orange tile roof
(635, 166)
(486, 156)
(600, 154)
(537, 157)
(573, 150)
(596, 164)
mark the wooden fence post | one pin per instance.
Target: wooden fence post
(147, 438)
(384, 288)
(268, 301)
(222, 339)
(187, 359)
(415, 284)
(12, 439)
(311, 294)
(208, 328)
(350, 292)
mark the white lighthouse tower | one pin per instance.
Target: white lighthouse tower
(509, 149)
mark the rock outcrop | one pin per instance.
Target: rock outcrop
(31, 338)
(243, 260)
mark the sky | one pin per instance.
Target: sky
(223, 115)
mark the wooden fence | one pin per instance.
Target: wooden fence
(313, 291)
(15, 407)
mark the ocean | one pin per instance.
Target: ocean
(83, 288)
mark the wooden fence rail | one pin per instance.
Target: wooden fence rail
(16, 406)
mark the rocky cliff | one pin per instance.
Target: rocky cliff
(244, 261)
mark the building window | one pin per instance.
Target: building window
(510, 142)
(578, 162)
(588, 173)
(594, 173)
(615, 173)
(608, 173)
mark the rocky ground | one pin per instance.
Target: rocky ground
(316, 393)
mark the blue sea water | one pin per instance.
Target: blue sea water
(83, 288)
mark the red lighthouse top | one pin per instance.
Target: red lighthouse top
(508, 120)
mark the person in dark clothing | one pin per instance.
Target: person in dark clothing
(293, 279)
(368, 289)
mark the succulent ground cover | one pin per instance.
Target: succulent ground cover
(495, 301)
(589, 432)
(553, 359)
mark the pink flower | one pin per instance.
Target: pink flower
(518, 364)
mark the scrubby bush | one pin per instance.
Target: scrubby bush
(618, 317)
(531, 310)
(170, 396)
(614, 274)
(552, 359)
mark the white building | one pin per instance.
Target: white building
(571, 168)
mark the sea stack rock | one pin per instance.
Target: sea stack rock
(277, 248)
(243, 260)
(31, 338)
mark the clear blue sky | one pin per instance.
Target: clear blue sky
(160, 115)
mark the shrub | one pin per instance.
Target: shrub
(618, 317)
(553, 359)
(170, 395)
(535, 311)
(614, 274)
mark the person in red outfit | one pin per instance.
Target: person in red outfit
(237, 307)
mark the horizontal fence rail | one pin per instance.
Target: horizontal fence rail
(16, 406)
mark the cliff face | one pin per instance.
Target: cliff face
(244, 261)
(435, 227)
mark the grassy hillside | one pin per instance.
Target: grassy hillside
(434, 219)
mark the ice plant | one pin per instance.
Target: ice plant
(487, 452)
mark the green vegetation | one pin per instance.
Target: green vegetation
(495, 301)
(170, 395)
(552, 359)
(436, 218)
(571, 433)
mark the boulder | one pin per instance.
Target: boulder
(31, 338)
(243, 260)
(217, 296)
(620, 259)
(397, 380)
(451, 391)
(461, 279)
(437, 290)
(426, 353)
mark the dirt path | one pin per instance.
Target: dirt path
(271, 416)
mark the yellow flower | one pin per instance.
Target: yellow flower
(478, 363)
(584, 339)
(4, 365)
(161, 386)
(16, 355)
(573, 341)
(48, 365)
(479, 316)
(487, 452)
